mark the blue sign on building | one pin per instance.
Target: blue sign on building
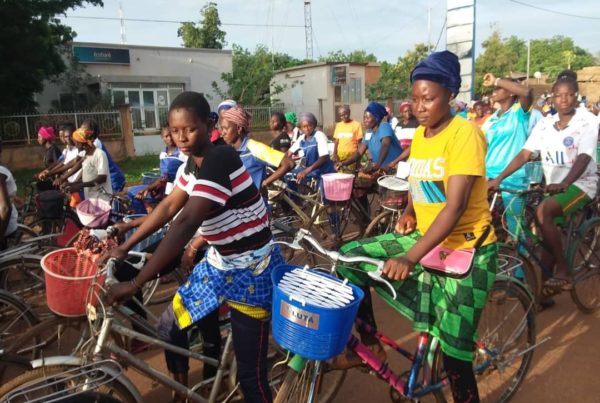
(101, 55)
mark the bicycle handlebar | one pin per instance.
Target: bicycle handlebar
(109, 266)
(303, 234)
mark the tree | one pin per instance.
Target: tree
(394, 81)
(206, 34)
(250, 79)
(549, 56)
(356, 56)
(29, 48)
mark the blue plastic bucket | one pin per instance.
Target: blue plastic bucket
(312, 331)
(149, 177)
(152, 239)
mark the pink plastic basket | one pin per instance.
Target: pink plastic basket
(68, 278)
(93, 213)
(337, 186)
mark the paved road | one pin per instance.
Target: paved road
(565, 369)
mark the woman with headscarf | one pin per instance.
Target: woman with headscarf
(95, 173)
(379, 140)
(291, 126)
(447, 206)
(406, 125)
(52, 154)
(315, 151)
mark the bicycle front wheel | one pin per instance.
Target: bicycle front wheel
(505, 346)
(55, 381)
(296, 386)
(23, 276)
(586, 270)
(383, 223)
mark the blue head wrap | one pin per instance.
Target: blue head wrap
(377, 110)
(225, 105)
(307, 117)
(440, 67)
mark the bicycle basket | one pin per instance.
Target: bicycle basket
(69, 276)
(50, 204)
(534, 172)
(393, 192)
(93, 213)
(313, 312)
(337, 186)
(149, 177)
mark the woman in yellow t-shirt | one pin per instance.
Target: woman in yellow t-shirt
(447, 206)
(347, 135)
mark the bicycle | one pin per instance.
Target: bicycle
(393, 196)
(503, 351)
(97, 362)
(582, 240)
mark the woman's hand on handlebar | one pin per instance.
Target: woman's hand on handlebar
(493, 184)
(406, 224)
(120, 292)
(398, 268)
(117, 253)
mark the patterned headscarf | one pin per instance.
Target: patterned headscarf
(239, 116)
(82, 135)
(47, 133)
(225, 105)
(291, 117)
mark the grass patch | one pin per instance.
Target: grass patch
(132, 168)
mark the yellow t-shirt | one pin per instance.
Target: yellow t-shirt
(459, 149)
(349, 136)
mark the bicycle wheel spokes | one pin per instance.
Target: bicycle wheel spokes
(23, 276)
(586, 270)
(506, 340)
(295, 386)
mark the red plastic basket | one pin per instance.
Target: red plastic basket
(68, 279)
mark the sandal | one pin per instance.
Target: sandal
(559, 283)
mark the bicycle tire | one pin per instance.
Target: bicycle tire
(23, 276)
(321, 227)
(295, 385)
(500, 296)
(381, 224)
(53, 372)
(585, 264)
(16, 318)
(156, 292)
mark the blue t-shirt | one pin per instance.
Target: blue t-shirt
(506, 135)
(373, 142)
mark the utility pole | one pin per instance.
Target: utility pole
(429, 30)
(123, 39)
(308, 30)
(528, 61)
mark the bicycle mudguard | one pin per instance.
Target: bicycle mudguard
(571, 248)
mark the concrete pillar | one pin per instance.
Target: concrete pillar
(127, 130)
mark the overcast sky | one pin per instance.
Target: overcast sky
(385, 28)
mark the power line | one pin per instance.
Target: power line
(440, 36)
(181, 22)
(554, 12)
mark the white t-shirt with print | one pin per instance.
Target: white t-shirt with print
(94, 165)
(559, 149)
(11, 190)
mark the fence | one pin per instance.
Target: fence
(20, 129)
(262, 114)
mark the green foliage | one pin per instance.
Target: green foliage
(29, 48)
(394, 81)
(250, 79)
(206, 34)
(356, 56)
(549, 56)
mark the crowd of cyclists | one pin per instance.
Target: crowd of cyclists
(212, 190)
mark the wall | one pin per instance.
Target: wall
(196, 68)
(145, 145)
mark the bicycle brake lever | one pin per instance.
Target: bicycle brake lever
(377, 276)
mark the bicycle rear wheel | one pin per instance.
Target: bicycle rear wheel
(383, 223)
(52, 380)
(505, 346)
(586, 269)
(295, 386)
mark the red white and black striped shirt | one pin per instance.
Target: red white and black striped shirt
(239, 222)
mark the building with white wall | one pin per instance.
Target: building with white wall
(146, 77)
(321, 87)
